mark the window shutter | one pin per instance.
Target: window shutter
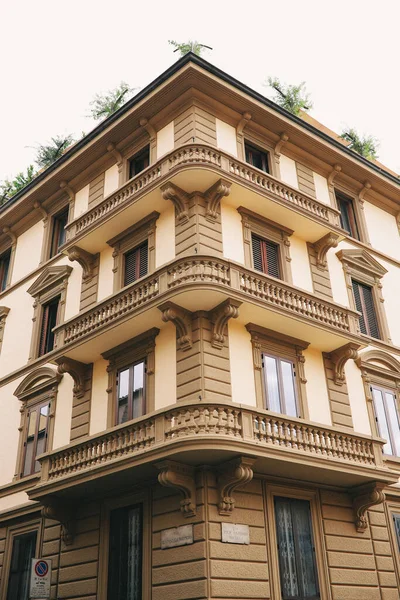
(357, 299)
(370, 314)
(136, 263)
(272, 252)
(257, 256)
(43, 330)
(265, 256)
(143, 260)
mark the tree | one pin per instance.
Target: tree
(367, 146)
(8, 188)
(291, 97)
(47, 154)
(104, 105)
(189, 46)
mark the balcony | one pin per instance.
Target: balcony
(197, 167)
(201, 283)
(198, 433)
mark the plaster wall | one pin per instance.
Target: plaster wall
(336, 274)
(9, 439)
(288, 171)
(27, 253)
(106, 264)
(317, 393)
(13, 500)
(232, 234)
(63, 415)
(165, 367)
(73, 288)
(390, 292)
(241, 364)
(165, 140)
(226, 137)
(357, 399)
(81, 201)
(111, 180)
(321, 188)
(382, 230)
(300, 264)
(165, 236)
(99, 402)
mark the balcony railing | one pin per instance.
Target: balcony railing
(249, 430)
(203, 272)
(203, 157)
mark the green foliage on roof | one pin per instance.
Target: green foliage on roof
(190, 46)
(8, 188)
(47, 154)
(293, 98)
(104, 105)
(366, 146)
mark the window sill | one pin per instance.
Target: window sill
(19, 485)
(371, 341)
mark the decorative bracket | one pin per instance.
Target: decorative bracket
(336, 169)
(153, 138)
(179, 198)
(84, 258)
(42, 211)
(77, 370)
(229, 309)
(246, 117)
(330, 240)
(11, 234)
(64, 185)
(283, 138)
(213, 198)
(365, 496)
(339, 358)
(115, 153)
(363, 191)
(56, 509)
(232, 474)
(182, 320)
(181, 477)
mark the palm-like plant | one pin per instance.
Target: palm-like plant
(367, 146)
(104, 105)
(8, 188)
(190, 46)
(291, 97)
(47, 154)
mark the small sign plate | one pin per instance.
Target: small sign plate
(178, 536)
(235, 534)
(40, 578)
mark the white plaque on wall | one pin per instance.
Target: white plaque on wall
(235, 534)
(178, 536)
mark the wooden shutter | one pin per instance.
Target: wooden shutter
(365, 304)
(136, 263)
(143, 260)
(272, 254)
(265, 256)
(44, 329)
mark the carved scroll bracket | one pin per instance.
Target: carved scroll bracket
(77, 371)
(152, 135)
(213, 198)
(283, 138)
(84, 258)
(64, 185)
(7, 231)
(335, 171)
(330, 240)
(179, 198)
(182, 320)
(219, 317)
(111, 148)
(364, 497)
(231, 475)
(340, 357)
(56, 509)
(361, 195)
(37, 205)
(181, 477)
(246, 118)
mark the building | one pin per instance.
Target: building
(199, 330)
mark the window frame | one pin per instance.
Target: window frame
(254, 224)
(55, 227)
(273, 343)
(131, 369)
(383, 390)
(351, 216)
(357, 204)
(136, 155)
(14, 531)
(5, 274)
(364, 309)
(267, 154)
(49, 220)
(282, 400)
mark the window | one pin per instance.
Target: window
(23, 550)
(125, 554)
(280, 385)
(347, 215)
(396, 521)
(36, 437)
(131, 393)
(364, 302)
(139, 162)
(4, 269)
(296, 551)
(265, 256)
(49, 321)
(136, 263)
(257, 158)
(387, 418)
(58, 235)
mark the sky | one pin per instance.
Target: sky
(55, 56)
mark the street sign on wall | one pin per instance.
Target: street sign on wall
(40, 578)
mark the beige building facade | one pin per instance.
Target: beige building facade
(200, 358)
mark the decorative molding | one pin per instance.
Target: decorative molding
(181, 477)
(213, 198)
(179, 198)
(7, 231)
(48, 278)
(246, 118)
(37, 205)
(335, 171)
(64, 185)
(361, 195)
(45, 376)
(219, 317)
(398, 221)
(84, 258)
(361, 260)
(232, 474)
(4, 310)
(330, 240)
(363, 498)
(57, 510)
(339, 358)
(77, 370)
(111, 148)
(182, 320)
(389, 366)
(283, 138)
(153, 138)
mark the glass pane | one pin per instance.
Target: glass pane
(382, 423)
(286, 548)
(271, 384)
(394, 421)
(134, 554)
(396, 519)
(41, 441)
(123, 392)
(304, 546)
(30, 443)
(23, 551)
(125, 554)
(138, 390)
(288, 388)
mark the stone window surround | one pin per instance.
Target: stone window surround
(138, 348)
(358, 207)
(361, 266)
(4, 310)
(130, 238)
(31, 395)
(282, 346)
(147, 137)
(48, 222)
(9, 243)
(269, 230)
(52, 282)
(12, 532)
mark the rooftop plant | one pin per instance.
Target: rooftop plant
(365, 145)
(190, 46)
(293, 98)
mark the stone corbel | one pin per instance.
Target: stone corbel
(219, 317)
(246, 118)
(42, 211)
(153, 137)
(57, 510)
(330, 240)
(179, 198)
(365, 496)
(77, 370)
(283, 138)
(361, 194)
(111, 148)
(232, 474)
(213, 198)
(11, 234)
(336, 169)
(340, 357)
(84, 258)
(181, 477)
(182, 320)
(64, 185)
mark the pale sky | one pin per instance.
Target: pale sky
(55, 56)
